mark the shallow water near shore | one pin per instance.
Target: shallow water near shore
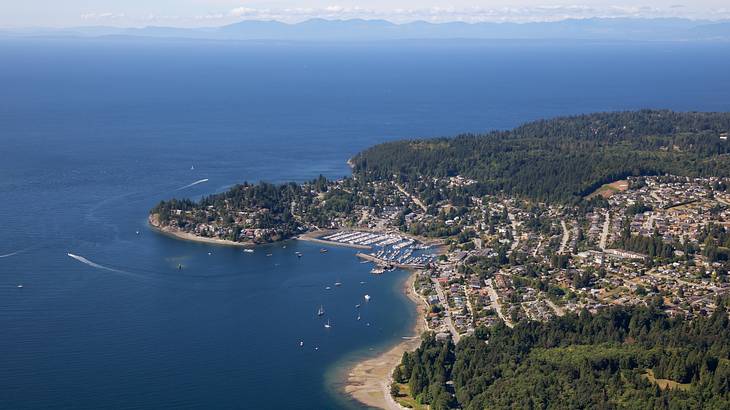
(94, 133)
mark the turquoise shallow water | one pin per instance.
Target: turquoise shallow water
(94, 133)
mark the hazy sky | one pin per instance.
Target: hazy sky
(62, 13)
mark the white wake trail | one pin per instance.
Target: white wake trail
(193, 184)
(7, 255)
(94, 264)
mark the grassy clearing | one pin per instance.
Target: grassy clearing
(404, 398)
(665, 383)
(606, 190)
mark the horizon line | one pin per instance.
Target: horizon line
(385, 20)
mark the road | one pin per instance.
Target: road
(722, 201)
(515, 235)
(413, 197)
(558, 310)
(566, 237)
(495, 303)
(604, 234)
(656, 197)
(537, 248)
(649, 224)
(445, 302)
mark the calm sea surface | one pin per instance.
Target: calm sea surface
(93, 133)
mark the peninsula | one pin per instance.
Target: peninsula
(595, 249)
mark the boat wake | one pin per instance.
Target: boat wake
(7, 255)
(96, 265)
(93, 264)
(10, 254)
(193, 184)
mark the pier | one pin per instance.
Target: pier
(384, 262)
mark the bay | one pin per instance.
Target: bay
(94, 132)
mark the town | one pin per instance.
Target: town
(660, 240)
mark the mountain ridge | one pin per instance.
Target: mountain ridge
(318, 29)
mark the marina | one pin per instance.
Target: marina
(388, 251)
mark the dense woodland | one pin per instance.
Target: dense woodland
(559, 160)
(633, 358)
(283, 209)
(562, 159)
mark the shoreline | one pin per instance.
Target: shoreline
(194, 238)
(368, 381)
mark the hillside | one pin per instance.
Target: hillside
(618, 358)
(563, 159)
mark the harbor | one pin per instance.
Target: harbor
(388, 250)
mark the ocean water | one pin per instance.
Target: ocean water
(94, 132)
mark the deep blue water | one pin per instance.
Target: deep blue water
(95, 132)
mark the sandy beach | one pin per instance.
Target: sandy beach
(154, 223)
(369, 381)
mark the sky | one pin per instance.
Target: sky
(197, 13)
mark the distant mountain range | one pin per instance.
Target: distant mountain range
(660, 29)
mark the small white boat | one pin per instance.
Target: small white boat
(192, 167)
(248, 250)
(357, 306)
(358, 316)
(137, 232)
(327, 287)
(362, 283)
(20, 286)
(338, 283)
(320, 311)
(327, 325)
(367, 298)
(301, 343)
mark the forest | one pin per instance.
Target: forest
(618, 358)
(562, 159)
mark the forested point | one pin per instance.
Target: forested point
(562, 159)
(618, 358)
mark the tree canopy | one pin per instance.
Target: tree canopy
(562, 159)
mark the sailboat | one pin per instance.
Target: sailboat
(327, 325)
(192, 167)
(320, 311)
(358, 316)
